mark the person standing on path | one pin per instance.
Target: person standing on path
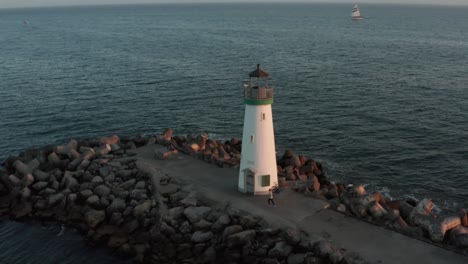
(270, 199)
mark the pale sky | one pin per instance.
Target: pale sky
(31, 3)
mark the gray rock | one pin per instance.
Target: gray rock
(176, 212)
(139, 210)
(209, 256)
(324, 249)
(189, 201)
(280, 250)
(15, 181)
(94, 217)
(241, 238)
(104, 202)
(71, 183)
(221, 223)
(230, 230)
(72, 198)
(249, 221)
(117, 240)
(166, 229)
(39, 186)
(97, 179)
(110, 177)
(195, 214)
(47, 191)
(185, 228)
(116, 219)
(124, 174)
(167, 190)
(118, 205)
(203, 225)
(41, 204)
(128, 184)
(131, 226)
(55, 199)
(40, 175)
(22, 210)
(102, 190)
(104, 171)
(140, 185)
(200, 237)
(55, 185)
(85, 194)
(335, 257)
(293, 236)
(296, 258)
(94, 201)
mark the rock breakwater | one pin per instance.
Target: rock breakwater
(97, 187)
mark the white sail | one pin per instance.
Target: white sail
(356, 13)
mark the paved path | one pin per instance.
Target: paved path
(373, 243)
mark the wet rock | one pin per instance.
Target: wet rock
(22, 210)
(55, 199)
(117, 240)
(94, 217)
(176, 212)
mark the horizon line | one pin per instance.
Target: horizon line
(236, 2)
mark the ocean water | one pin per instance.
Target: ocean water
(382, 101)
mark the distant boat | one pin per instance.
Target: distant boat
(356, 15)
(26, 23)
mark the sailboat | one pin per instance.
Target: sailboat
(356, 15)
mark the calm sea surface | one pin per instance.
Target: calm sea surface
(382, 101)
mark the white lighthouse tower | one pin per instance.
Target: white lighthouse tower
(258, 161)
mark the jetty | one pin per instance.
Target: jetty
(374, 243)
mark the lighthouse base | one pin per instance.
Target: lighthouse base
(252, 193)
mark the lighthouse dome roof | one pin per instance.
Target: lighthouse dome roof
(258, 72)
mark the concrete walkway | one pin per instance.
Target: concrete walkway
(373, 243)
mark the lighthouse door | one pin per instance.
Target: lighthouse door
(249, 179)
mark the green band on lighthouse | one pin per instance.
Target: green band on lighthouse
(258, 101)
